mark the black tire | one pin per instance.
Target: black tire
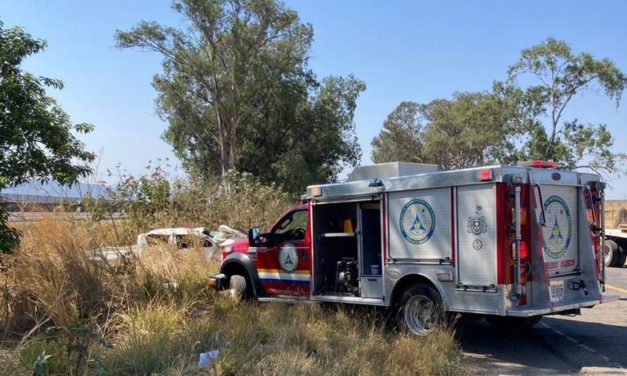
(238, 286)
(611, 253)
(622, 256)
(514, 324)
(419, 310)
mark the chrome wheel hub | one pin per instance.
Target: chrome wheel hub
(419, 314)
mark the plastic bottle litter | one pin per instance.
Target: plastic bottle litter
(206, 358)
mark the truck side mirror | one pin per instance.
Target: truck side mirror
(253, 236)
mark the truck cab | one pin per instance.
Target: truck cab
(276, 263)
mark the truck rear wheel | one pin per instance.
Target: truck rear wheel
(611, 253)
(622, 255)
(238, 286)
(419, 310)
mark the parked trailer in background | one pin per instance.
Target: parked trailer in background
(511, 243)
(615, 246)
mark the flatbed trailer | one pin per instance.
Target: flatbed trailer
(615, 246)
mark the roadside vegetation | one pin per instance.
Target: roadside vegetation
(65, 312)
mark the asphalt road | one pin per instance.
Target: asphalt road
(593, 343)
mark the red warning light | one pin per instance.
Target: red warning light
(484, 175)
(542, 164)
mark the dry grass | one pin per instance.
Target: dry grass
(154, 315)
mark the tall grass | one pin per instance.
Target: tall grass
(65, 312)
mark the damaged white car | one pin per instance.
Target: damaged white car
(182, 237)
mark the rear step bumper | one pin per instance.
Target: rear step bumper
(546, 311)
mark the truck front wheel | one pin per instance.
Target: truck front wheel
(419, 310)
(611, 253)
(238, 286)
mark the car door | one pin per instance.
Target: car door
(284, 265)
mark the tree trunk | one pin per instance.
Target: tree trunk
(232, 135)
(224, 147)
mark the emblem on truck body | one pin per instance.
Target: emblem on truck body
(417, 221)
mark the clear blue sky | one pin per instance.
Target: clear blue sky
(403, 50)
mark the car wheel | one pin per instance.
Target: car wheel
(419, 310)
(611, 254)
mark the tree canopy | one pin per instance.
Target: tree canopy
(512, 122)
(469, 129)
(37, 139)
(401, 138)
(237, 93)
(555, 76)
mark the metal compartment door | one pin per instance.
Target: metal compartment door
(560, 232)
(420, 225)
(476, 224)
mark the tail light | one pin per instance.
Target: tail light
(524, 253)
(504, 235)
(522, 300)
(593, 194)
(525, 265)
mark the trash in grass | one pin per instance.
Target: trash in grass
(170, 285)
(206, 358)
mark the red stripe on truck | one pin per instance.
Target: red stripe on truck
(452, 226)
(500, 233)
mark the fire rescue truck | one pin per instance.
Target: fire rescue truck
(509, 243)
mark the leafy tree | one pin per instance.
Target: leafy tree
(468, 130)
(311, 143)
(36, 135)
(512, 122)
(237, 94)
(556, 76)
(401, 136)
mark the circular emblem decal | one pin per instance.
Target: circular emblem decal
(288, 258)
(417, 221)
(558, 228)
(477, 244)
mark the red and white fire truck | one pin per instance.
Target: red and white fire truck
(505, 242)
